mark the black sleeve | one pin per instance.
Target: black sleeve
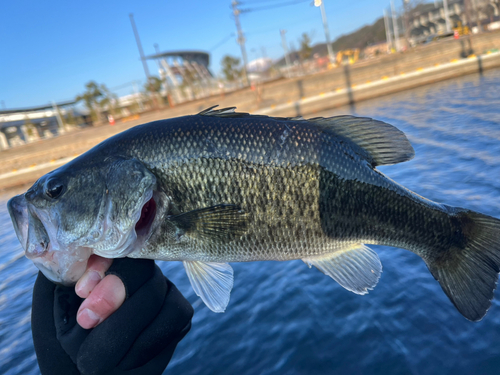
(139, 338)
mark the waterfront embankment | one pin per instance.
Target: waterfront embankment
(304, 96)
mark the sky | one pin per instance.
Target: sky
(49, 50)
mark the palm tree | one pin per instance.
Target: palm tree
(96, 98)
(109, 101)
(91, 99)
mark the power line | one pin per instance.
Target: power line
(122, 86)
(221, 42)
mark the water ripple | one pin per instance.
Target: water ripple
(284, 318)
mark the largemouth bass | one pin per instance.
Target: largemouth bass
(222, 186)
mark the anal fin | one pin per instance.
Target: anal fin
(212, 282)
(357, 268)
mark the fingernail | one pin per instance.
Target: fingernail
(88, 319)
(87, 283)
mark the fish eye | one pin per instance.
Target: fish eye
(54, 189)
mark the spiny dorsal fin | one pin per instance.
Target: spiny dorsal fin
(383, 143)
(223, 112)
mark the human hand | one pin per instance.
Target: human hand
(103, 294)
(150, 317)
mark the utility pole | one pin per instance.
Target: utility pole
(138, 99)
(388, 35)
(241, 39)
(407, 9)
(478, 24)
(157, 50)
(141, 52)
(321, 5)
(285, 49)
(395, 26)
(447, 16)
(58, 116)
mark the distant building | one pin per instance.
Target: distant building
(429, 19)
(183, 68)
(22, 125)
(178, 66)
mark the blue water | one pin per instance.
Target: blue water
(284, 318)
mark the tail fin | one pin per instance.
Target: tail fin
(468, 272)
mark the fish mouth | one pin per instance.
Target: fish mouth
(18, 210)
(64, 263)
(39, 241)
(63, 267)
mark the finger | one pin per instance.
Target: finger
(104, 300)
(96, 268)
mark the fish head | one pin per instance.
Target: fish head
(83, 208)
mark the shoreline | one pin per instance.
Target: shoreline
(24, 164)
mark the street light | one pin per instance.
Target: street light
(321, 5)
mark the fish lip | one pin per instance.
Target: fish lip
(18, 211)
(38, 241)
(61, 266)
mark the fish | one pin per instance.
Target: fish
(224, 186)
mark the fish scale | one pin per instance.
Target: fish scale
(278, 218)
(222, 186)
(284, 223)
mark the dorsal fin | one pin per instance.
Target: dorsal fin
(380, 143)
(383, 143)
(223, 112)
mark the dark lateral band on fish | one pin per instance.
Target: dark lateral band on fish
(223, 186)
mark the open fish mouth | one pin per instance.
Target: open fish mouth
(65, 263)
(18, 210)
(39, 241)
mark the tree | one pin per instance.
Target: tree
(152, 90)
(305, 47)
(109, 100)
(91, 99)
(95, 98)
(69, 118)
(154, 85)
(231, 67)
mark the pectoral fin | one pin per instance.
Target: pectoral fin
(222, 222)
(357, 268)
(212, 282)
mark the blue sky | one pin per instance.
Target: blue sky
(49, 50)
